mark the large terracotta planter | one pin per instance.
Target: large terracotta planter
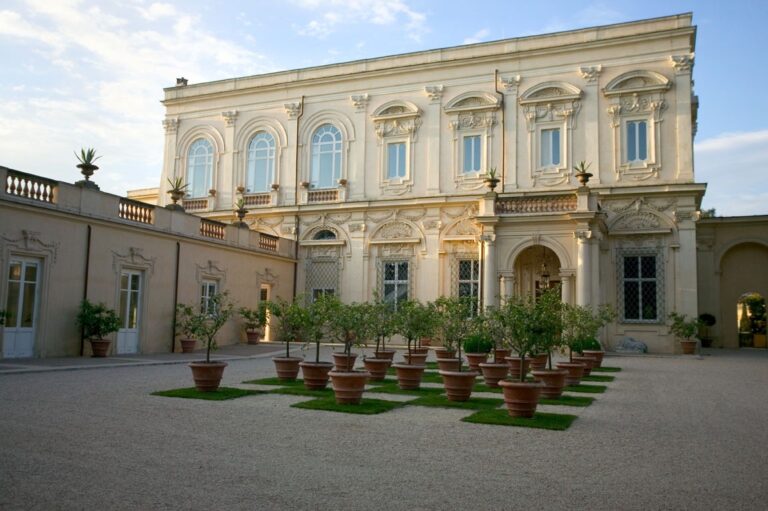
(539, 362)
(420, 350)
(377, 367)
(425, 341)
(475, 359)
(315, 374)
(521, 398)
(553, 381)
(448, 364)
(415, 358)
(287, 368)
(349, 386)
(409, 376)
(344, 362)
(253, 336)
(587, 361)
(689, 347)
(188, 345)
(493, 373)
(100, 347)
(458, 385)
(597, 355)
(575, 372)
(207, 375)
(388, 354)
(499, 355)
(514, 367)
(444, 353)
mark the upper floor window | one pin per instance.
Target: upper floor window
(472, 154)
(326, 157)
(261, 163)
(637, 141)
(396, 168)
(324, 234)
(200, 168)
(550, 147)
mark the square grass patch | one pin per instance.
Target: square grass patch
(302, 391)
(366, 406)
(427, 377)
(606, 369)
(552, 421)
(276, 381)
(222, 394)
(586, 389)
(598, 377)
(393, 388)
(474, 403)
(568, 401)
(482, 387)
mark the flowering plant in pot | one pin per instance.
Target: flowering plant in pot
(292, 320)
(346, 324)
(316, 372)
(207, 374)
(453, 316)
(97, 321)
(684, 330)
(254, 320)
(187, 319)
(413, 320)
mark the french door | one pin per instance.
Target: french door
(21, 308)
(130, 317)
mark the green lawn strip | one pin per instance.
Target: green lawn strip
(553, 421)
(302, 391)
(482, 387)
(474, 403)
(587, 389)
(598, 377)
(276, 381)
(568, 401)
(222, 394)
(366, 406)
(427, 377)
(393, 388)
(606, 369)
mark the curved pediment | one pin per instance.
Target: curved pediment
(470, 101)
(396, 109)
(550, 91)
(637, 81)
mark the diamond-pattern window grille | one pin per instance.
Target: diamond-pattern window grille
(641, 286)
(465, 278)
(394, 277)
(322, 277)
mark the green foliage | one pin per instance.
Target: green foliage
(207, 324)
(291, 319)
(97, 320)
(187, 320)
(221, 394)
(756, 311)
(254, 318)
(346, 323)
(366, 406)
(413, 320)
(477, 343)
(381, 319)
(491, 174)
(239, 204)
(177, 185)
(582, 167)
(87, 156)
(582, 325)
(683, 328)
(452, 316)
(708, 213)
(707, 319)
(552, 421)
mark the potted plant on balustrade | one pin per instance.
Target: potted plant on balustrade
(255, 320)
(187, 319)
(522, 329)
(177, 189)
(316, 373)
(412, 320)
(97, 321)
(207, 373)
(453, 317)
(550, 311)
(491, 333)
(292, 320)
(86, 158)
(685, 330)
(345, 324)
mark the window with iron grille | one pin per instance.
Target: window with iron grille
(394, 282)
(322, 277)
(468, 282)
(641, 286)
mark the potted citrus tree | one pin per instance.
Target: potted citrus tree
(413, 320)
(454, 315)
(684, 330)
(97, 321)
(292, 320)
(186, 326)
(254, 320)
(346, 324)
(208, 373)
(551, 313)
(315, 372)
(376, 324)
(491, 335)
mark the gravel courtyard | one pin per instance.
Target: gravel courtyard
(669, 433)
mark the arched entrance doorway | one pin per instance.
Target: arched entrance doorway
(750, 320)
(743, 274)
(536, 268)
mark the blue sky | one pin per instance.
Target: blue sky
(86, 73)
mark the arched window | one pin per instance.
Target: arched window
(261, 163)
(325, 234)
(199, 168)
(326, 157)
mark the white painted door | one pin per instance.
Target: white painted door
(21, 308)
(130, 300)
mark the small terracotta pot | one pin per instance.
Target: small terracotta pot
(521, 398)
(475, 359)
(539, 362)
(388, 354)
(500, 355)
(514, 367)
(493, 373)
(575, 372)
(207, 375)
(415, 358)
(597, 355)
(458, 385)
(587, 361)
(377, 367)
(253, 336)
(409, 376)
(420, 351)
(349, 386)
(188, 345)
(287, 368)
(553, 380)
(315, 374)
(444, 353)
(689, 347)
(344, 362)
(448, 364)
(100, 347)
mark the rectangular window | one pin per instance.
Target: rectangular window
(208, 290)
(471, 150)
(469, 280)
(640, 288)
(550, 147)
(22, 293)
(395, 282)
(130, 293)
(637, 141)
(317, 293)
(396, 160)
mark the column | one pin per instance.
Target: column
(490, 275)
(683, 65)
(583, 267)
(170, 125)
(566, 281)
(226, 180)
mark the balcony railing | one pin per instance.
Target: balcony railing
(268, 242)
(30, 186)
(540, 204)
(258, 199)
(135, 211)
(195, 204)
(314, 196)
(212, 229)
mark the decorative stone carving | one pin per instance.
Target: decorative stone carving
(171, 125)
(590, 73)
(583, 235)
(637, 222)
(434, 92)
(397, 127)
(30, 241)
(357, 227)
(292, 109)
(134, 257)
(473, 120)
(268, 277)
(211, 269)
(395, 230)
(682, 63)
(511, 84)
(536, 205)
(360, 102)
(229, 117)
(431, 224)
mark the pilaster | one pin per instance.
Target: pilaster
(590, 118)
(683, 66)
(511, 87)
(434, 116)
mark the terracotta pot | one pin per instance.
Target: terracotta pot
(689, 347)
(458, 385)
(420, 351)
(444, 353)
(388, 354)
(521, 398)
(539, 362)
(575, 372)
(348, 386)
(492, 373)
(448, 364)
(597, 355)
(587, 361)
(553, 380)
(409, 376)
(207, 375)
(426, 341)
(254, 336)
(188, 345)
(344, 362)
(415, 358)
(475, 359)
(315, 374)
(287, 367)
(500, 355)
(377, 367)
(514, 367)
(100, 347)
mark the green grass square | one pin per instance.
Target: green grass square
(276, 381)
(366, 406)
(474, 403)
(482, 387)
(222, 394)
(551, 421)
(606, 369)
(302, 391)
(598, 377)
(568, 401)
(391, 387)
(586, 389)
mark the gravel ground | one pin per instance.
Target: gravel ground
(669, 433)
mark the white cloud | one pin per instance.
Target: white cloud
(478, 36)
(157, 11)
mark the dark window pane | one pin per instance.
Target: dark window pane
(630, 267)
(648, 267)
(631, 300)
(30, 274)
(12, 304)
(389, 292)
(402, 271)
(465, 270)
(649, 300)
(389, 271)
(465, 289)
(28, 306)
